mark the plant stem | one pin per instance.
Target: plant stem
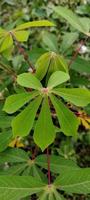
(34, 153)
(75, 54)
(22, 51)
(48, 163)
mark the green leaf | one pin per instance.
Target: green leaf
(50, 41)
(23, 122)
(42, 65)
(74, 181)
(57, 163)
(72, 18)
(49, 63)
(5, 121)
(39, 23)
(81, 65)
(16, 101)
(67, 40)
(6, 43)
(77, 96)
(14, 170)
(57, 78)
(29, 80)
(65, 117)
(13, 155)
(21, 36)
(5, 138)
(16, 187)
(44, 133)
(2, 32)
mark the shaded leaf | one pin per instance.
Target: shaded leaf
(57, 163)
(5, 138)
(13, 155)
(16, 187)
(74, 181)
(72, 18)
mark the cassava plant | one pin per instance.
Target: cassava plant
(40, 107)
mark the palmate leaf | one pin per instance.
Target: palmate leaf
(48, 63)
(72, 18)
(20, 164)
(68, 121)
(77, 96)
(23, 122)
(16, 187)
(16, 101)
(57, 78)
(19, 33)
(74, 181)
(44, 133)
(51, 195)
(29, 80)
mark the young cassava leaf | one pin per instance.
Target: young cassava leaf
(77, 96)
(68, 121)
(16, 101)
(57, 78)
(48, 63)
(44, 133)
(23, 122)
(29, 80)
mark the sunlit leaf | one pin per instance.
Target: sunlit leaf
(23, 122)
(44, 133)
(77, 96)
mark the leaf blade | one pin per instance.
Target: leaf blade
(46, 125)
(65, 116)
(26, 117)
(16, 101)
(57, 78)
(77, 96)
(29, 80)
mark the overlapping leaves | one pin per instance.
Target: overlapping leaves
(31, 182)
(20, 33)
(44, 131)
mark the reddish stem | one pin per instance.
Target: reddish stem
(48, 163)
(76, 53)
